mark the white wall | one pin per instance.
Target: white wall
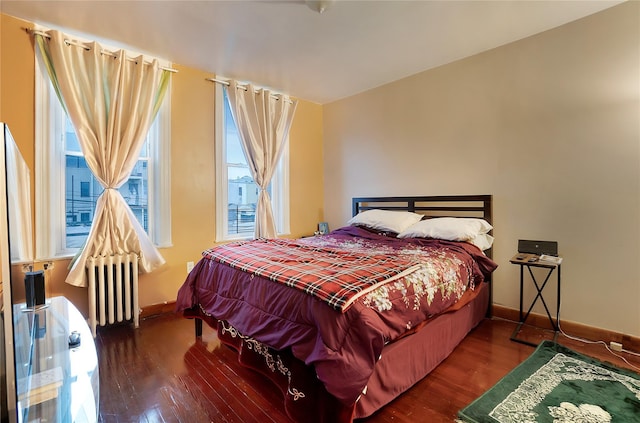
(549, 125)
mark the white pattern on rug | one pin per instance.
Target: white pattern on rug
(585, 413)
(518, 406)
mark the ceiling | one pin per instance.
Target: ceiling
(355, 45)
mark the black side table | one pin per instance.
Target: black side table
(531, 260)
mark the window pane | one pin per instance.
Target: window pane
(82, 191)
(136, 193)
(242, 192)
(243, 197)
(71, 141)
(234, 151)
(144, 151)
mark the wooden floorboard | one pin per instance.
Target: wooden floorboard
(161, 373)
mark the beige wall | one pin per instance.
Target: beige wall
(549, 125)
(192, 164)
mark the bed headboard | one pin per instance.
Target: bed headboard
(432, 206)
(478, 206)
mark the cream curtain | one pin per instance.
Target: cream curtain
(111, 101)
(263, 120)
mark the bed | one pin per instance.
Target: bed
(344, 323)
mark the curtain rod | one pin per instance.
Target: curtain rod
(220, 81)
(242, 87)
(103, 51)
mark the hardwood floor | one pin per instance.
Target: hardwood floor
(161, 373)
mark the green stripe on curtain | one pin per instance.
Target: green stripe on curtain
(162, 90)
(46, 58)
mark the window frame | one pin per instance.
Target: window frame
(279, 182)
(50, 219)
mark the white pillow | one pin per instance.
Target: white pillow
(448, 228)
(482, 241)
(385, 220)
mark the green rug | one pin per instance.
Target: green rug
(558, 385)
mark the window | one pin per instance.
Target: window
(84, 187)
(80, 183)
(236, 192)
(65, 183)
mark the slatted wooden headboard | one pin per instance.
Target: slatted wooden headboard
(432, 206)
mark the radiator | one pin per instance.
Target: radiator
(113, 290)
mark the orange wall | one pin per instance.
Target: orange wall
(192, 164)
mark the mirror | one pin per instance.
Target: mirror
(16, 248)
(19, 202)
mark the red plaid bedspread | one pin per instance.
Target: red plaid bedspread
(337, 277)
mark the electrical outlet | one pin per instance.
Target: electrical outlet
(189, 266)
(615, 346)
